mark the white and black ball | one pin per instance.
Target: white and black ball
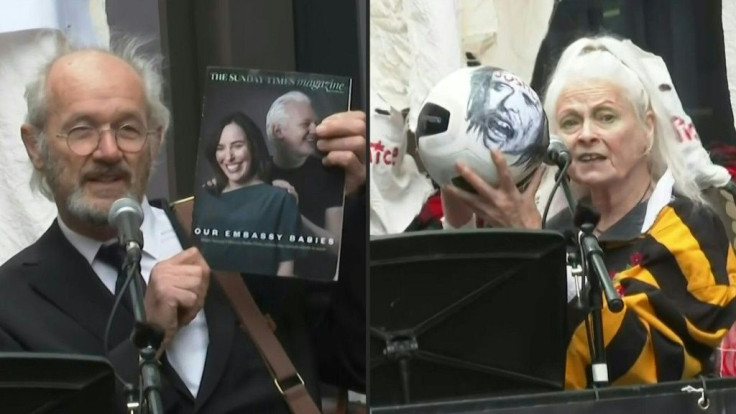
(474, 110)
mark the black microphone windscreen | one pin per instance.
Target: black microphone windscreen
(586, 214)
(557, 152)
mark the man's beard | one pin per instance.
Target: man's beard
(76, 203)
(77, 206)
(292, 156)
(304, 147)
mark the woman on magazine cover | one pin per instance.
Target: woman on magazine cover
(244, 223)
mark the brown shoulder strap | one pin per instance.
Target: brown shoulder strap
(287, 381)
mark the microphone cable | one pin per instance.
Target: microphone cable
(561, 175)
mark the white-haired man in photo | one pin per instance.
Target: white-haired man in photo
(299, 164)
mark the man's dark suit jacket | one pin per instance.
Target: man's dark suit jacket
(52, 301)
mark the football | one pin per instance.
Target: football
(474, 110)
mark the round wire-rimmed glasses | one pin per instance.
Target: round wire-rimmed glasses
(84, 140)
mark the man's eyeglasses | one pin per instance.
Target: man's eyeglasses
(84, 140)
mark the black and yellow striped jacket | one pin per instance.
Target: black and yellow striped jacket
(678, 281)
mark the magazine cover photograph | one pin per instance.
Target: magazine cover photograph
(264, 203)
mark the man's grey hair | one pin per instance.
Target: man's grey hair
(148, 66)
(277, 113)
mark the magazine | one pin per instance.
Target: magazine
(264, 203)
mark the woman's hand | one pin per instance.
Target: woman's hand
(501, 205)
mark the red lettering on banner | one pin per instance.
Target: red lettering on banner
(390, 156)
(377, 148)
(686, 130)
(380, 154)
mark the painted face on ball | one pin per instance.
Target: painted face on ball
(506, 113)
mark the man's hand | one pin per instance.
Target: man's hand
(176, 291)
(342, 137)
(286, 186)
(211, 184)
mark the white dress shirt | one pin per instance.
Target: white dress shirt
(187, 350)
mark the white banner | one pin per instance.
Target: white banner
(30, 31)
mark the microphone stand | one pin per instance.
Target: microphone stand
(145, 337)
(591, 258)
(599, 367)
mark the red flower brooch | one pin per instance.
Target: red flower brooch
(636, 258)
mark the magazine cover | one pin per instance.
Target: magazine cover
(264, 203)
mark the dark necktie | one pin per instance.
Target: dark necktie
(114, 255)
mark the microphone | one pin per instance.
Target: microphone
(558, 155)
(126, 216)
(557, 152)
(586, 218)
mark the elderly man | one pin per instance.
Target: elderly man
(291, 129)
(95, 124)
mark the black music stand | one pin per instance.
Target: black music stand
(455, 314)
(55, 383)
